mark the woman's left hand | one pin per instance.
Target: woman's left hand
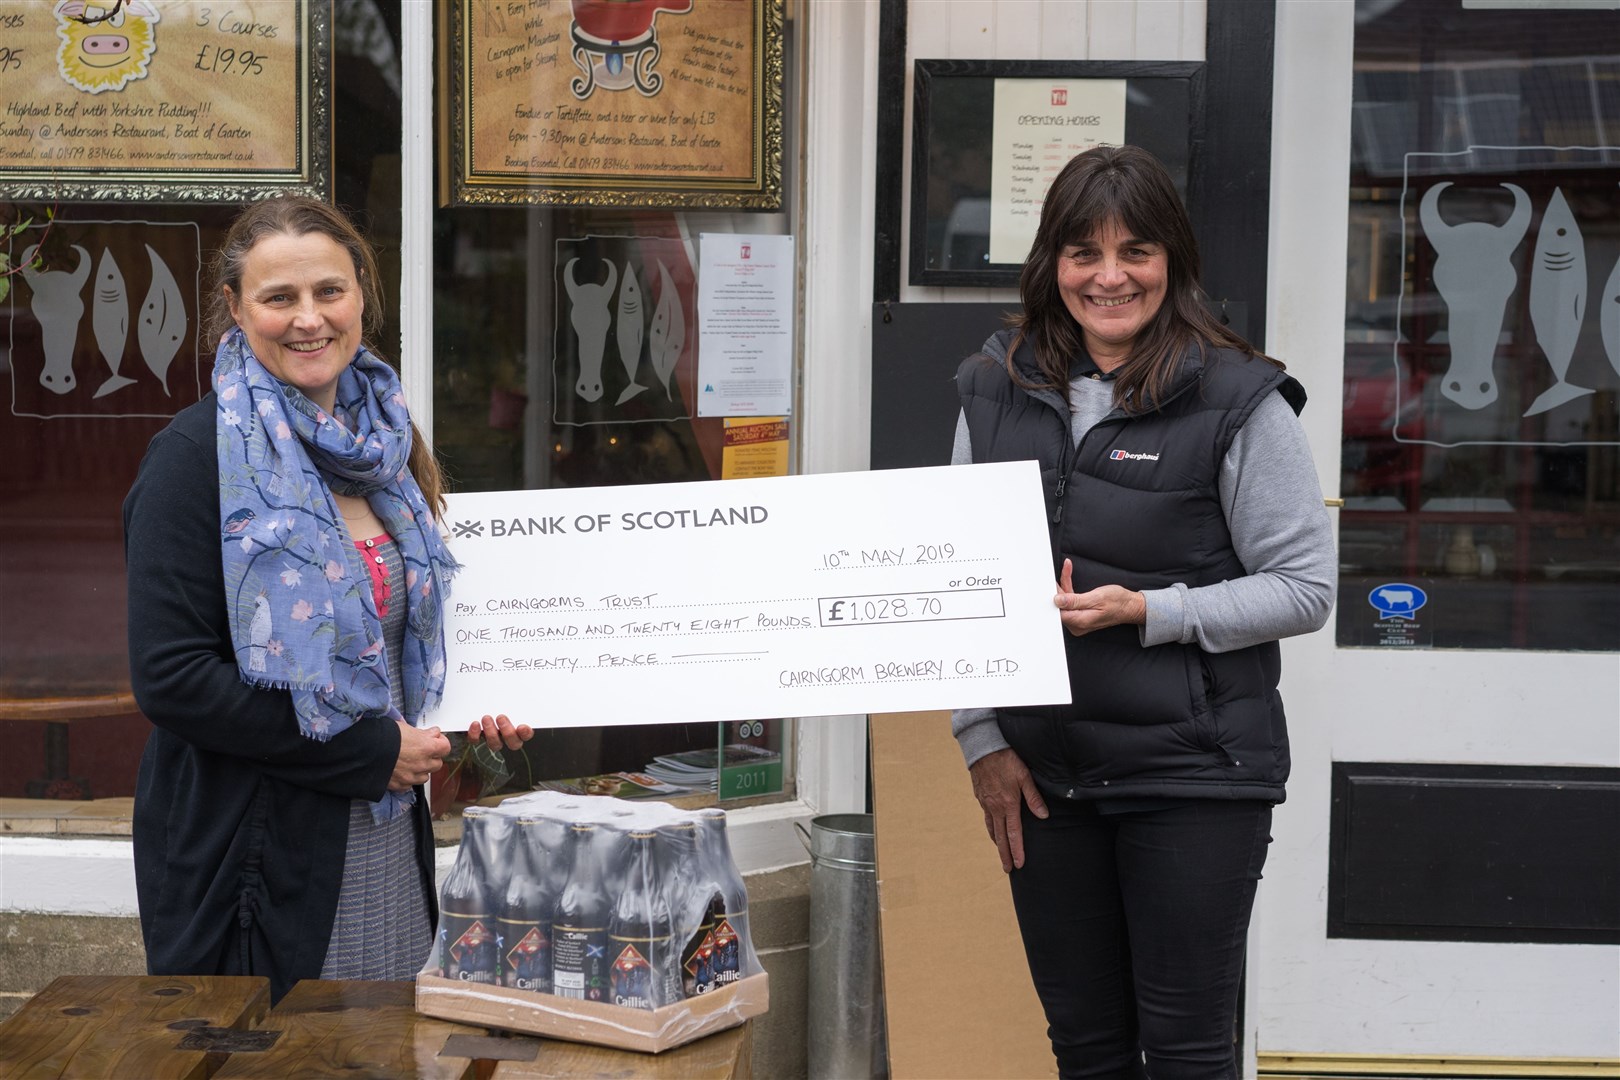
(499, 731)
(1104, 606)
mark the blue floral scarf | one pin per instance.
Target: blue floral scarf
(303, 618)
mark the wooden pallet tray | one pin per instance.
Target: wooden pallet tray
(649, 1031)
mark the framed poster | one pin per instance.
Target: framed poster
(648, 103)
(989, 136)
(165, 100)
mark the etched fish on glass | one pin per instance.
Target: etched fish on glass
(1558, 299)
(629, 332)
(163, 320)
(109, 318)
(668, 336)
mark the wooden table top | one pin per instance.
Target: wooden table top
(87, 1025)
(353, 1029)
(196, 1027)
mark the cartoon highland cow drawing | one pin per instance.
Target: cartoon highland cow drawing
(104, 47)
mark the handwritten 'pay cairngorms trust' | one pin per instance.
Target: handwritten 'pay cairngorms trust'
(787, 596)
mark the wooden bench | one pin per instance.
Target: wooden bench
(56, 713)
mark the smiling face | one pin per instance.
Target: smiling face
(1113, 284)
(300, 307)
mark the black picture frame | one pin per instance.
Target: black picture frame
(1164, 114)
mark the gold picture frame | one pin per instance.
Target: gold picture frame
(622, 103)
(204, 103)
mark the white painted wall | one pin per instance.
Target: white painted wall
(1310, 993)
(77, 877)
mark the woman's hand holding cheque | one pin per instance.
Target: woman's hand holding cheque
(1102, 607)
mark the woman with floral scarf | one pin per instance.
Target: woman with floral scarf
(286, 583)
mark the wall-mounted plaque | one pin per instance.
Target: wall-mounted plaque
(165, 100)
(657, 103)
(989, 136)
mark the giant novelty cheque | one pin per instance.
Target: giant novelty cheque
(810, 595)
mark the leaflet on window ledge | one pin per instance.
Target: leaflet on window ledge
(883, 591)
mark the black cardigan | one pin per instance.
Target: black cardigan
(241, 822)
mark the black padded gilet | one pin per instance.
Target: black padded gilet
(1138, 504)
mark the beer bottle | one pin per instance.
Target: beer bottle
(526, 913)
(614, 839)
(467, 928)
(697, 960)
(641, 935)
(690, 890)
(733, 950)
(579, 944)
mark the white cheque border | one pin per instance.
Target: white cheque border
(745, 599)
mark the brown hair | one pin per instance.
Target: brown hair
(294, 215)
(1128, 185)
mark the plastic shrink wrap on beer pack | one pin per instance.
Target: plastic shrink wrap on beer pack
(594, 899)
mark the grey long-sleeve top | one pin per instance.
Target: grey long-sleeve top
(1280, 530)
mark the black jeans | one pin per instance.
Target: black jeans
(1135, 924)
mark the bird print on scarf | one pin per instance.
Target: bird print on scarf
(259, 631)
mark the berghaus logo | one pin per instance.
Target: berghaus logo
(1126, 455)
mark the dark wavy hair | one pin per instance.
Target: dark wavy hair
(295, 215)
(1128, 185)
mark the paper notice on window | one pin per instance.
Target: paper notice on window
(1039, 125)
(745, 325)
(890, 591)
(754, 446)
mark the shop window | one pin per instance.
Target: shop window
(67, 460)
(1481, 426)
(565, 355)
(70, 450)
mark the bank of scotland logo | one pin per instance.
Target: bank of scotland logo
(469, 528)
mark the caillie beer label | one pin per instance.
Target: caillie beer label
(726, 953)
(596, 973)
(579, 962)
(632, 980)
(527, 965)
(699, 967)
(470, 956)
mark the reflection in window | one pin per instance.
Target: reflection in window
(565, 355)
(69, 450)
(1481, 426)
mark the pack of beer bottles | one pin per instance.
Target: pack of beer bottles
(597, 899)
